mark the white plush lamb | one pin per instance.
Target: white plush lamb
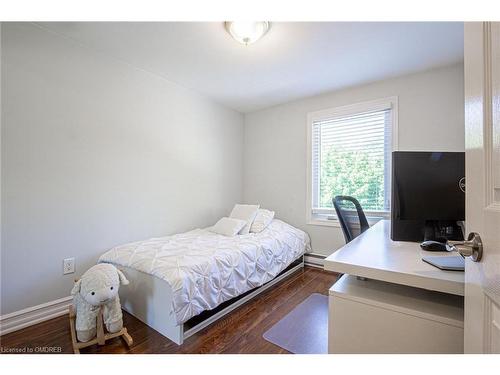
(98, 287)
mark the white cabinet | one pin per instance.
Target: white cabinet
(370, 316)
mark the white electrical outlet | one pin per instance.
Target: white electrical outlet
(68, 266)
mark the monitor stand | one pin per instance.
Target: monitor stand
(442, 231)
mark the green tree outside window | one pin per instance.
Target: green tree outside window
(355, 173)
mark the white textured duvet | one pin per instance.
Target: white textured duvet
(205, 269)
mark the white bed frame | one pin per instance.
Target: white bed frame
(149, 299)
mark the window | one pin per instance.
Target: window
(350, 154)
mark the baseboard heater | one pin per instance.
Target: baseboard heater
(314, 260)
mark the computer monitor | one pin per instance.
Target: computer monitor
(428, 195)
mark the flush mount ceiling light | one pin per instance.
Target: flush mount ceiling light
(247, 32)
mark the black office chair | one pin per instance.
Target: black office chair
(351, 216)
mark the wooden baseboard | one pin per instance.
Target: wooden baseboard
(33, 315)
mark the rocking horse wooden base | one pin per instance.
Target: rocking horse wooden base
(101, 337)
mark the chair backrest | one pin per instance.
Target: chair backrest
(351, 216)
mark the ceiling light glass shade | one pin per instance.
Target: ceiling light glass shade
(247, 32)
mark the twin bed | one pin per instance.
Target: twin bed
(179, 284)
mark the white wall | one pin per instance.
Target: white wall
(431, 117)
(97, 153)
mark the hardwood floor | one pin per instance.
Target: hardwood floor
(239, 332)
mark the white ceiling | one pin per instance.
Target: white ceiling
(293, 60)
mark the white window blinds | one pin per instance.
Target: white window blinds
(351, 155)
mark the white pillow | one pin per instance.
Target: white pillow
(228, 227)
(245, 212)
(262, 220)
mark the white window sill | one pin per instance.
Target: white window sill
(323, 221)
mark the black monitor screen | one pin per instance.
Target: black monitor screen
(428, 185)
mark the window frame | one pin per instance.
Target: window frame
(328, 217)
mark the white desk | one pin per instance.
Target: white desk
(374, 255)
(404, 306)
